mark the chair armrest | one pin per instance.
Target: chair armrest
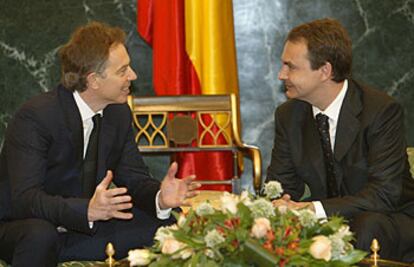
(254, 154)
(410, 153)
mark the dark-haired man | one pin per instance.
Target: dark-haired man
(64, 148)
(343, 140)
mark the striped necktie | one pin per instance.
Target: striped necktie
(323, 128)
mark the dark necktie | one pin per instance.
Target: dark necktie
(90, 162)
(323, 128)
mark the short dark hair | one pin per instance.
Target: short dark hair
(327, 41)
(87, 51)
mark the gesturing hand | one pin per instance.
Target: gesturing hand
(176, 192)
(107, 203)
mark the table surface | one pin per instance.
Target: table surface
(212, 196)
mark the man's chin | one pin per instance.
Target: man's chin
(123, 100)
(289, 94)
(120, 100)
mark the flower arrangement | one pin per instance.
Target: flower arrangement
(248, 231)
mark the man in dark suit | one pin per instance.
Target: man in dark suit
(63, 149)
(343, 140)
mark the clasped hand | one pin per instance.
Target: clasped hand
(108, 203)
(285, 200)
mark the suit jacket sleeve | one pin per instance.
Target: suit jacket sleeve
(281, 167)
(386, 166)
(131, 172)
(26, 147)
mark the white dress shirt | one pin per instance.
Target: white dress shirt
(86, 115)
(332, 111)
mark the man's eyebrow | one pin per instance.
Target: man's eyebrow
(287, 62)
(123, 67)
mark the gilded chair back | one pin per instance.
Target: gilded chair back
(188, 123)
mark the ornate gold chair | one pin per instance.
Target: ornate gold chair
(410, 152)
(171, 124)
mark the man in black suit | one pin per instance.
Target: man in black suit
(56, 206)
(343, 140)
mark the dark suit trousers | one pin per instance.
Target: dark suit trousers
(36, 242)
(393, 232)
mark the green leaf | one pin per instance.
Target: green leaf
(211, 263)
(254, 253)
(354, 256)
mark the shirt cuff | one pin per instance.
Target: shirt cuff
(161, 214)
(319, 210)
(90, 225)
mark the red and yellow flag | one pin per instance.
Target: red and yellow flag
(193, 53)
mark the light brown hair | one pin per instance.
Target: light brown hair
(327, 41)
(87, 51)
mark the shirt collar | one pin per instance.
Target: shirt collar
(332, 111)
(85, 111)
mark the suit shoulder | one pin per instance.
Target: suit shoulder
(44, 104)
(292, 107)
(376, 104)
(117, 110)
(119, 114)
(375, 97)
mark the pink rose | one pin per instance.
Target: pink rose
(139, 257)
(171, 246)
(321, 248)
(260, 227)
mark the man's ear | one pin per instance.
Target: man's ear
(326, 71)
(92, 81)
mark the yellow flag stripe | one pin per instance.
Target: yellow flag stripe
(210, 44)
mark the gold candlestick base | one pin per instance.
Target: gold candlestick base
(110, 252)
(375, 261)
(375, 247)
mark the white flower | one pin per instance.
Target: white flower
(204, 208)
(273, 189)
(164, 232)
(282, 209)
(171, 246)
(260, 227)
(213, 238)
(321, 248)
(139, 257)
(262, 208)
(186, 253)
(210, 253)
(245, 198)
(339, 245)
(229, 203)
(343, 232)
(307, 218)
(181, 220)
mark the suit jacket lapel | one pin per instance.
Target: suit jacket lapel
(73, 121)
(348, 123)
(106, 139)
(312, 145)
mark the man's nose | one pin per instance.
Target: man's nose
(132, 75)
(282, 74)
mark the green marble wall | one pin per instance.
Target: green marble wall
(382, 32)
(31, 33)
